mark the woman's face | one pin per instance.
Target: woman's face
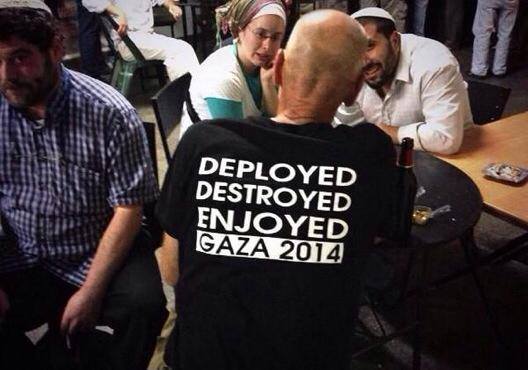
(259, 41)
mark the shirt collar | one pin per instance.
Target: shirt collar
(404, 64)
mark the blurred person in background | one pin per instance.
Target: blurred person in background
(135, 18)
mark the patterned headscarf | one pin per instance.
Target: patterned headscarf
(33, 4)
(241, 12)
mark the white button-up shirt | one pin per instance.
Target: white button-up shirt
(427, 100)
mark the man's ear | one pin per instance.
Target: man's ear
(355, 88)
(395, 40)
(278, 64)
(56, 50)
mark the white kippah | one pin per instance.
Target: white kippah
(271, 9)
(33, 4)
(373, 12)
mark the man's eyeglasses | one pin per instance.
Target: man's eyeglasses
(262, 34)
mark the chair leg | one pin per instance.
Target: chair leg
(126, 78)
(418, 336)
(161, 73)
(376, 316)
(116, 70)
(142, 79)
(468, 243)
(408, 269)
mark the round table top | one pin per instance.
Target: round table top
(445, 184)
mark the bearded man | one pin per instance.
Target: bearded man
(413, 88)
(77, 272)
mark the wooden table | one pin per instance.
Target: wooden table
(505, 140)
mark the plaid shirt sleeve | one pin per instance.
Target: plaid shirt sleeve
(130, 173)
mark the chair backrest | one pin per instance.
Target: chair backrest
(168, 105)
(487, 101)
(150, 131)
(150, 222)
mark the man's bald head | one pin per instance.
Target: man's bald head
(321, 65)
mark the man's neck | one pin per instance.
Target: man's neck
(37, 111)
(300, 118)
(293, 119)
(383, 90)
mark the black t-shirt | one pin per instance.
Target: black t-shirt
(274, 223)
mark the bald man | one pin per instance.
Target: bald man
(269, 221)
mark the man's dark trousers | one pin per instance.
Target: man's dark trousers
(92, 60)
(133, 308)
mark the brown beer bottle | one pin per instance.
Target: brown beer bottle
(405, 189)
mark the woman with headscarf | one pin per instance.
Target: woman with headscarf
(236, 80)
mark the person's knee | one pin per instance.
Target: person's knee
(179, 50)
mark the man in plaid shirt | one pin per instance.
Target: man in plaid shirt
(74, 175)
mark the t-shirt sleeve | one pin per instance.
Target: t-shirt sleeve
(223, 108)
(348, 115)
(387, 187)
(222, 85)
(173, 203)
(129, 173)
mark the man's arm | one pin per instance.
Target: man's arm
(168, 260)
(348, 115)
(82, 309)
(173, 8)
(100, 6)
(121, 18)
(445, 107)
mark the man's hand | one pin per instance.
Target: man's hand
(123, 25)
(392, 131)
(81, 312)
(4, 303)
(121, 18)
(269, 89)
(266, 74)
(175, 11)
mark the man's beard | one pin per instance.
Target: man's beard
(387, 73)
(34, 91)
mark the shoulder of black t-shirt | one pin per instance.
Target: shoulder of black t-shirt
(362, 139)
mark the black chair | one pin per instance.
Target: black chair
(162, 18)
(168, 106)
(487, 101)
(150, 131)
(150, 222)
(122, 70)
